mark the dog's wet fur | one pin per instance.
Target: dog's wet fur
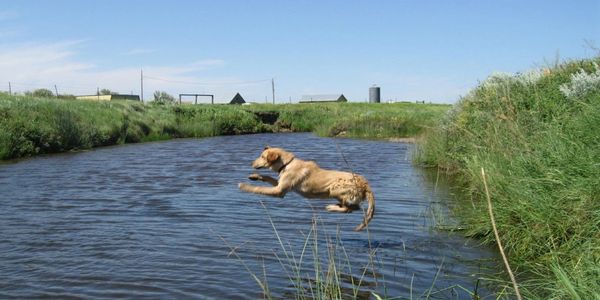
(309, 180)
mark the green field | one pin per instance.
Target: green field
(537, 136)
(30, 125)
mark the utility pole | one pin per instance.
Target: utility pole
(9, 89)
(56, 90)
(273, 88)
(142, 85)
(98, 93)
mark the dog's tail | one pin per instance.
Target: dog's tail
(370, 210)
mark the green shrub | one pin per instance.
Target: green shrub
(43, 93)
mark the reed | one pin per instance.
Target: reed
(536, 135)
(314, 272)
(322, 269)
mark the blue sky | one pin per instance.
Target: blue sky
(414, 50)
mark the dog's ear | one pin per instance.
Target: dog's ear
(267, 147)
(272, 156)
(287, 157)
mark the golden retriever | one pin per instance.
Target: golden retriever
(309, 180)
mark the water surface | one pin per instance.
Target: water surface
(160, 220)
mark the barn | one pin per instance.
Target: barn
(109, 97)
(237, 99)
(323, 98)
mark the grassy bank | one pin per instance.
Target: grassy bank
(537, 135)
(30, 126)
(360, 120)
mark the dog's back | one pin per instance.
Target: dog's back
(312, 181)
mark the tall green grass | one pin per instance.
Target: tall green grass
(30, 126)
(537, 135)
(359, 120)
(314, 273)
(324, 270)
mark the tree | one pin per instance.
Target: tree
(162, 97)
(107, 92)
(43, 93)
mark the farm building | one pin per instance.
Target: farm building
(109, 97)
(237, 99)
(323, 98)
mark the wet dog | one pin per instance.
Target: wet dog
(309, 180)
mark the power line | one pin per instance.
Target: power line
(207, 83)
(16, 88)
(47, 85)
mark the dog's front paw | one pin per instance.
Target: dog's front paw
(255, 177)
(244, 187)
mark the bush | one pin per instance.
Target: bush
(582, 83)
(43, 93)
(161, 97)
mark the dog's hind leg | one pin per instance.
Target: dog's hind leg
(337, 208)
(343, 206)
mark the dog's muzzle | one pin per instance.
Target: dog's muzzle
(257, 165)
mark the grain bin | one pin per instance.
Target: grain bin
(374, 94)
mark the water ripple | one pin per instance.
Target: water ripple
(166, 220)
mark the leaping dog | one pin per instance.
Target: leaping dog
(309, 180)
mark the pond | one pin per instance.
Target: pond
(166, 220)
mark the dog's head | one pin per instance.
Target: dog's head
(274, 158)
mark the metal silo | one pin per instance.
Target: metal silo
(374, 94)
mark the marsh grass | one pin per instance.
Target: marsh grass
(30, 126)
(316, 272)
(540, 148)
(322, 268)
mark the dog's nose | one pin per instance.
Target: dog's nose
(255, 165)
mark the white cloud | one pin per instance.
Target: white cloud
(43, 65)
(36, 63)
